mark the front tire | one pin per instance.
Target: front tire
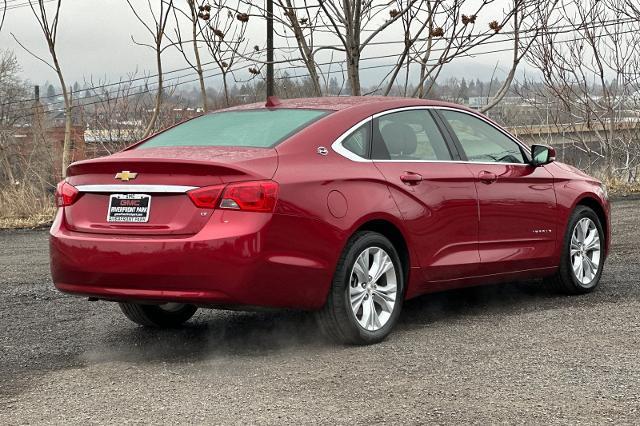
(167, 315)
(366, 296)
(582, 257)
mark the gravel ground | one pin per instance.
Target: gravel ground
(512, 353)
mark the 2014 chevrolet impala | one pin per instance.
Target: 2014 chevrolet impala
(343, 206)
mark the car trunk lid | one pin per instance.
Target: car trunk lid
(161, 178)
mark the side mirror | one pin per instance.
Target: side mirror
(542, 154)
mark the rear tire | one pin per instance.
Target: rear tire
(161, 316)
(582, 248)
(363, 307)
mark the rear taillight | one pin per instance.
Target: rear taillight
(256, 196)
(206, 197)
(260, 196)
(66, 194)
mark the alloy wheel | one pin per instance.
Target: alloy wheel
(585, 251)
(373, 288)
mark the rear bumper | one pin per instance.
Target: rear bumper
(238, 258)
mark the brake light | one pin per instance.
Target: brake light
(66, 194)
(206, 197)
(259, 196)
(256, 196)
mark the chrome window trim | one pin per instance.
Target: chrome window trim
(338, 148)
(154, 189)
(449, 161)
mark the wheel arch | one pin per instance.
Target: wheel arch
(594, 204)
(395, 235)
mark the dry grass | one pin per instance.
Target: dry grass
(621, 187)
(25, 207)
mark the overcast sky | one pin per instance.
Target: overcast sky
(95, 41)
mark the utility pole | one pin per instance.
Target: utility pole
(270, 48)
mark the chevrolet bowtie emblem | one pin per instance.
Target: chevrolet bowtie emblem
(126, 175)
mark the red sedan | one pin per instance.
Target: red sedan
(342, 206)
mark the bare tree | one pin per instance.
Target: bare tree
(541, 13)
(351, 21)
(593, 76)
(12, 90)
(4, 14)
(435, 32)
(192, 15)
(302, 21)
(115, 117)
(49, 25)
(451, 35)
(25, 162)
(411, 35)
(223, 28)
(157, 31)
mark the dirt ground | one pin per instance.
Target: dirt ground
(512, 353)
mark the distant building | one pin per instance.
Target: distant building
(477, 102)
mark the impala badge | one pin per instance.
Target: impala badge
(542, 231)
(126, 175)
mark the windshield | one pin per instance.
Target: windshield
(260, 128)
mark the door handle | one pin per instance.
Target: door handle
(411, 178)
(487, 177)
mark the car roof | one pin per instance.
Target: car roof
(339, 103)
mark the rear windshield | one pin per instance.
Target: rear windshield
(261, 128)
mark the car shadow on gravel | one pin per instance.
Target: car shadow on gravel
(218, 334)
(211, 334)
(497, 299)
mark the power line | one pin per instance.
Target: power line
(146, 86)
(130, 94)
(564, 29)
(296, 76)
(20, 5)
(329, 72)
(488, 52)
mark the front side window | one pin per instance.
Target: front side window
(482, 142)
(408, 135)
(260, 128)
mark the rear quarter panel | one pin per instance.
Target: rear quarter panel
(326, 198)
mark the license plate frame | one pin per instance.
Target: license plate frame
(129, 208)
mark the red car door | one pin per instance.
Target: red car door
(517, 201)
(435, 194)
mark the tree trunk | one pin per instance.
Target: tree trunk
(395, 73)
(303, 47)
(502, 92)
(608, 150)
(156, 110)
(225, 88)
(423, 70)
(7, 166)
(203, 91)
(353, 72)
(67, 145)
(196, 52)
(315, 78)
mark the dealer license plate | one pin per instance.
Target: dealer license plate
(129, 208)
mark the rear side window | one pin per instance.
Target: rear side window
(409, 135)
(261, 128)
(358, 141)
(481, 141)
